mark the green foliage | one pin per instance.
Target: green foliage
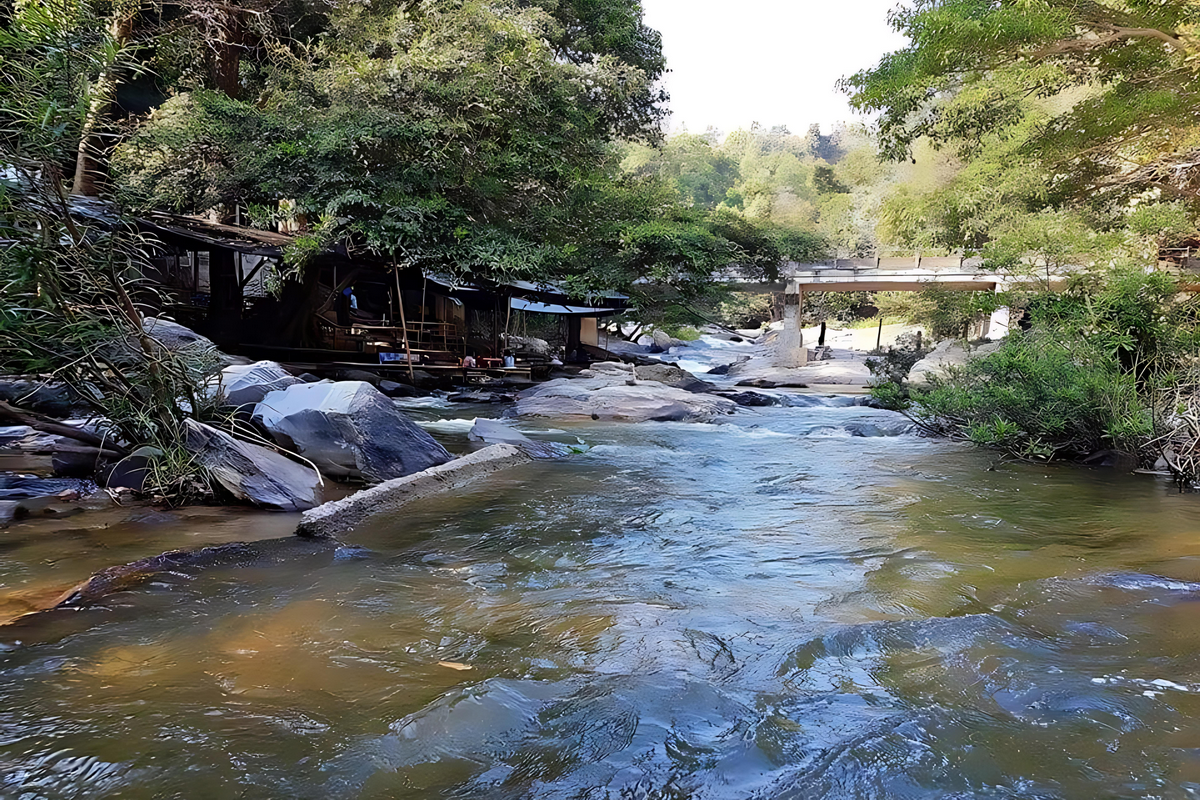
(461, 137)
(798, 186)
(1085, 377)
(833, 306)
(1102, 95)
(684, 333)
(70, 281)
(741, 310)
(946, 314)
(1039, 397)
(1163, 224)
(890, 395)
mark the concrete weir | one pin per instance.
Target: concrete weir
(340, 516)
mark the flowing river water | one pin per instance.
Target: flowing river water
(764, 608)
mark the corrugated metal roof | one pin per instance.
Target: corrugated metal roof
(519, 304)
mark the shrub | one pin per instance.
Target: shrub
(1039, 396)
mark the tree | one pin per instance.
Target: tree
(1117, 81)
(68, 307)
(454, 135)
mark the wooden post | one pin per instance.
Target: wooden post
(821, 338)
(879, 334)
(424, 287)
(403, 322)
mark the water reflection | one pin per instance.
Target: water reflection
(773, 607)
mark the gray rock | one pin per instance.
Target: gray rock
(198, 352)
(754, 399)
(173, 336)
(671, 375)
(248, 385)
(664, 342)
(360, 375)
(528, 345)
(947, 355)
(44, 397)
(495, 432)
(349, 429)
(253, 473)
(600, 398)
(1117, 460)
(308, 377)
(393, 389)
(11, 510)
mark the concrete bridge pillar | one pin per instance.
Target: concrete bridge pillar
(998, 325)
(790, 350)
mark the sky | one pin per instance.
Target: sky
(735, 62)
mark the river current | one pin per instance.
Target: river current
(770, 607)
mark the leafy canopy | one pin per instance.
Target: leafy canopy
(1116, 82)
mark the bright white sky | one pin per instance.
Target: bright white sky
(769, 61)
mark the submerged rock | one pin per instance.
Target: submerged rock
(873, 429)
(254, 473)
(349, 429)
(493, 431)
(26, 487)
(754, 399)
(481, 396)
(386, 499)
(395, 389)
(249, 384)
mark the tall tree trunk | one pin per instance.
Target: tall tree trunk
(88, 167)
(227, 65)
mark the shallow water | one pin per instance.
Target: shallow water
(769, 608)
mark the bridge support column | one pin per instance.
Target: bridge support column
(998, 325)
(790, 350)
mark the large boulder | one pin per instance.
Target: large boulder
(528, 345)
(601, 398)
(253, 473)
(249, 384)
(349, 429)
(197, 352)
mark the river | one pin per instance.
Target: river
(763, 608)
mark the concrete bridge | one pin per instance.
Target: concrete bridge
(906, 274)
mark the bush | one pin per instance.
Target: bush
(684, 333)
(1040, 396)
(894, 364)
